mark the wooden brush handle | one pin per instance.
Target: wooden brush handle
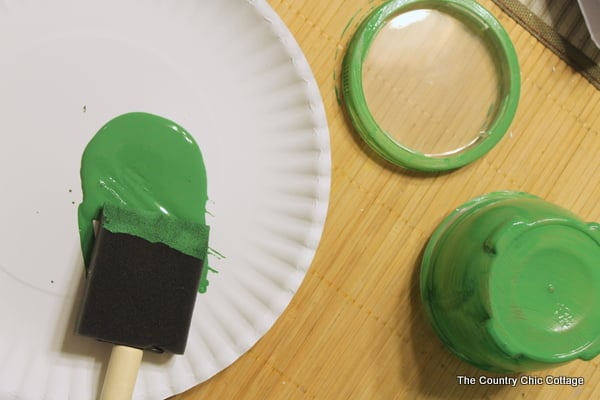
(121, 374)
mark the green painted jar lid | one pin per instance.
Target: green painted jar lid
(431, 85)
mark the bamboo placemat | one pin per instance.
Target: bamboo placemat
(355, 329)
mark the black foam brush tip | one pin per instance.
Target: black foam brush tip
(139, 293)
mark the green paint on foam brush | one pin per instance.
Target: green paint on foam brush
(151, 165)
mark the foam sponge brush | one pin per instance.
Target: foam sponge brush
(141, 287)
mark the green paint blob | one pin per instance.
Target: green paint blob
(148, 164)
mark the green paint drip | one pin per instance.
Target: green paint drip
(204, 279)
(150, 165)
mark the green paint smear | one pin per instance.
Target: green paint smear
(154, 167)
(188, 237)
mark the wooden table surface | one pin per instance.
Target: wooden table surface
(356, 329)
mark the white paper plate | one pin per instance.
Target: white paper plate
(229, 72)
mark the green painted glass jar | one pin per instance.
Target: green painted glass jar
(511, 283)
